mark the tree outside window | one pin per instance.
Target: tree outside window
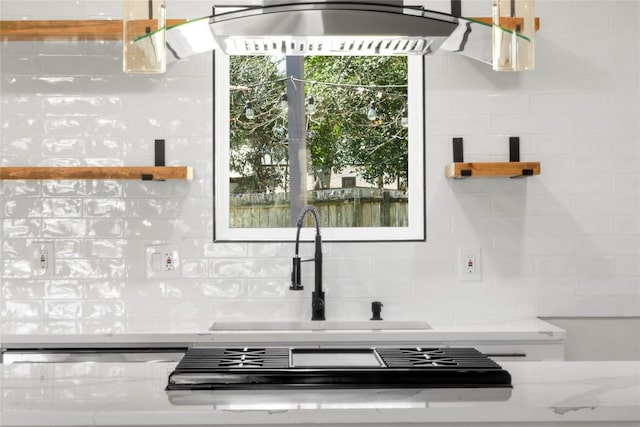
(354, 123)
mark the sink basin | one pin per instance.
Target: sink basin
(322, 325)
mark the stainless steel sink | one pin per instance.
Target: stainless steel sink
(320, 325)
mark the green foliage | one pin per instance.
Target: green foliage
(251, 140)
(339, 135)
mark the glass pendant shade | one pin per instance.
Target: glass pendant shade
(143, 44)
(371, 112)
(513, 35)
(249, 112)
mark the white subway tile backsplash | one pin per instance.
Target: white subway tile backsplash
(63, 289)
(627, 306)
(492, 309)
(21, 208)
(564, 243)
(252, 309)
(105, 248)
(609, 286)
(109, 310)
(224, 288)
(19, 289)
(352, 287)
(53, 227)
(21, 327)
(142, 290)
(628, 265)
(577, 306)
(574, 266)
(61, 208)
(106, 326)
(109, 208)
(22, 309)
(228, 268)
(69, 248)
(17, 268)
(268, 288)
(90, 268)
(14, 228)
(194, 268)
(557, 286)
(63, 310)
(57, 327)
(626, 185)
(610, 245)
(103, 289)
(627, 225)
(606, 205)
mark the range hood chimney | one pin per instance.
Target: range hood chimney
(280, 27)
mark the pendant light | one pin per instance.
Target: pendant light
(249, 112)
(284, 103)
(143, 36)
(371, 112)
(311, 105)
(513, 35)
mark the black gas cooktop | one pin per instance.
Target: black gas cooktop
(215, 368)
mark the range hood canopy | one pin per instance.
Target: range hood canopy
(314, 28)
(331, 28)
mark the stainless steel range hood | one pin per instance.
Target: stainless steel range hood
(331, 28)
(315, 28)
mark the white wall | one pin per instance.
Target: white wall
(565, 243)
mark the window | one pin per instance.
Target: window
(327, 131)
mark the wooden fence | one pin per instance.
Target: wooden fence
(348, 207)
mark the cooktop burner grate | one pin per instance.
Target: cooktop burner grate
(418, 357)
(205, 358)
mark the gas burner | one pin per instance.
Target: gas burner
(434, 357)
(205, 358)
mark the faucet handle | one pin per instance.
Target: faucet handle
(296, 274)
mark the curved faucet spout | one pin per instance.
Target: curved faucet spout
(317, 297)
(300, 222)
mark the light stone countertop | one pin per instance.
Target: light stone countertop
(112, 394)
(535, 330)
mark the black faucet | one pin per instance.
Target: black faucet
(317, 297)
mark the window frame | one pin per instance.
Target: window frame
(415, 231)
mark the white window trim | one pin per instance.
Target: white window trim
(417, 209)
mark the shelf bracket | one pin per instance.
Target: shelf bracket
(458, 157)
(159, 158)
(525, 173)
(458, 154)
(514, 148)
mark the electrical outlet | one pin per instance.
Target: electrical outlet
(43, 259)
(168, 261)
(470, 264)
(163, 261)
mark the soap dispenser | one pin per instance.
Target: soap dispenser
(376, 309)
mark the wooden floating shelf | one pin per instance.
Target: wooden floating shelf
(508, 23)
(65, 30)
(145, 173)
(492, 169)
(111, 29)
